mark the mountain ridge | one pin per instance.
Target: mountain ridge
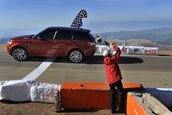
(159, 34)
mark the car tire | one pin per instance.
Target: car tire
(19, 54)
(75, 56)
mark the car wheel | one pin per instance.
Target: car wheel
(19, 54)
(75, 56)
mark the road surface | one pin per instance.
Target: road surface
(150, 71)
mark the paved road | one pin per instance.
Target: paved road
(150, 71)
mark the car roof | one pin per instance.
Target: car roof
(70, 29)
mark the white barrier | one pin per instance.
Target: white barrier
(23, 90)
(43, 92)
(131, 49)
(15, 90)
(125, 49)
(3, 82)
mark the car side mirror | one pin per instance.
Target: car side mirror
(40, 38)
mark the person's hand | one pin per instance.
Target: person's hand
(112, 45)
(123, 44)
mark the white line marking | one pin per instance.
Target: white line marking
(39, 70)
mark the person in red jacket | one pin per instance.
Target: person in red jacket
(114, 77)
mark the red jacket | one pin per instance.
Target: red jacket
(113, 73)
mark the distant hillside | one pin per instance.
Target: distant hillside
(158, 35)
(153, 37)
(161, 38)
(4, 40)
(166, 42)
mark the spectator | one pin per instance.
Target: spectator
(114, 77)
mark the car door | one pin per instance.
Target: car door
(79, 40)
(42, 44)
(62, 42)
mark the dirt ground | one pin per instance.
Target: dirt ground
(165, 52)
(33, 108)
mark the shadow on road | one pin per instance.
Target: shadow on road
(164, 55)
(130, 60)
(14, 102)
(90, 60)
(37, 59)
(122, 60)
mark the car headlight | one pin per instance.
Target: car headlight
(9, 42)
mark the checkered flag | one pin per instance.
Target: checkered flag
(77, 23)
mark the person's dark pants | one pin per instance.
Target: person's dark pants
(121, 99)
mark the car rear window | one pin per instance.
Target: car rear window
(82, 36)
(92, 37)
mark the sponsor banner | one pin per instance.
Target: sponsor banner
(135, 49)
(131, 49)
(151, 50)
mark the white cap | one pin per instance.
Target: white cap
(105, 53)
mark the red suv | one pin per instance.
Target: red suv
(54, 42)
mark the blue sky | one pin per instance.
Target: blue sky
(31, 16)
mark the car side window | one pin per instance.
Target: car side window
(80, 36)
(47, 34)
(63, 35)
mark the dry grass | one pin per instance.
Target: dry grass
(165, 52)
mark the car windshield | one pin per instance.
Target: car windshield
(35, 36)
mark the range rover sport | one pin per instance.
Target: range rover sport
(54, 42)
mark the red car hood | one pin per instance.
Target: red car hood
(22, 37)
